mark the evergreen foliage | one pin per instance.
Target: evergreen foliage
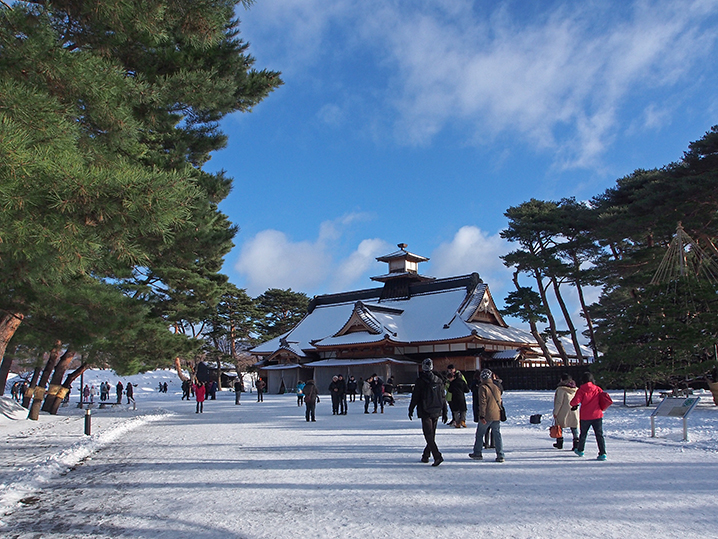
(108, 111)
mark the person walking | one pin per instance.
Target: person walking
(429, 401)
(458, 388)
(563, 415)
(130, 392)
(186, 385)
(260, 385)
(366, 393)
(86, 393)
(377, 390)
(311, 398)
(118, 389)
(591, 414)
(489, 412)
(199, 394)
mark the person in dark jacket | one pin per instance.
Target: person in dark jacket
(429, 392)
(458, 389)
(260, 385)
(377, 390)
(311, 398)
(334, 393)
(342, 395)
(352, 388)
(238, 383)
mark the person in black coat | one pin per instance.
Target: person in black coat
(341, 383)
(334, 392)
(429, 401)
(458, 389)
(352, 388)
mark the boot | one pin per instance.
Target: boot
(559, 443)
(575, 444)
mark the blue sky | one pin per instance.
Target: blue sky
(423, 121)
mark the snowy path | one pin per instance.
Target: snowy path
(261, 471)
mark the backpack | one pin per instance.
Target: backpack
(604, 401)
(432, 396)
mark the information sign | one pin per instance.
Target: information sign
(674, 407)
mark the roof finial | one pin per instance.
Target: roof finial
(402, 246)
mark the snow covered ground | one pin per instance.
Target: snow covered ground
(260, 471)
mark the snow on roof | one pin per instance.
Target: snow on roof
(435, 312)
(280, 367)
(353, 362)
(506, 354)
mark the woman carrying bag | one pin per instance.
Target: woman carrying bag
(563, 415)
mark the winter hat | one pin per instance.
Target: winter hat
(485, 374)
(427, 365)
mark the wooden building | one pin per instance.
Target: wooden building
(390, 329)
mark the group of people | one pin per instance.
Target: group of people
(373, 390)
(433, 395)
(566, 414)
(18, 389)
(162, 387)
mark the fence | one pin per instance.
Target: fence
(537, 378)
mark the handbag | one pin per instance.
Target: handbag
(555, 431)
(604, 401)
(502, 410)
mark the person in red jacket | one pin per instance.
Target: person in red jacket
(199, 392)
(591, 415)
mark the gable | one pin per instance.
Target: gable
(482, 309)
(363, 319)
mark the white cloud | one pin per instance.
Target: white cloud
(473, 250)
(271, 259)
(362, 260)
(558, 79)
(566, 77)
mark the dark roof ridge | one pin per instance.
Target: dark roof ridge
(470, 281)
(343, 297)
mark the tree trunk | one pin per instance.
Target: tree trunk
(542, 344)
(38, 394)
(9, 322)
(56, 380)
(219, 375)
(27, 397)
(534, 329)
(66, 386)
(551, 322)
(5, 367)
(569, 321)
(178, 366)
(587, 317)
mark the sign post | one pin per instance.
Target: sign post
(674, 407)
